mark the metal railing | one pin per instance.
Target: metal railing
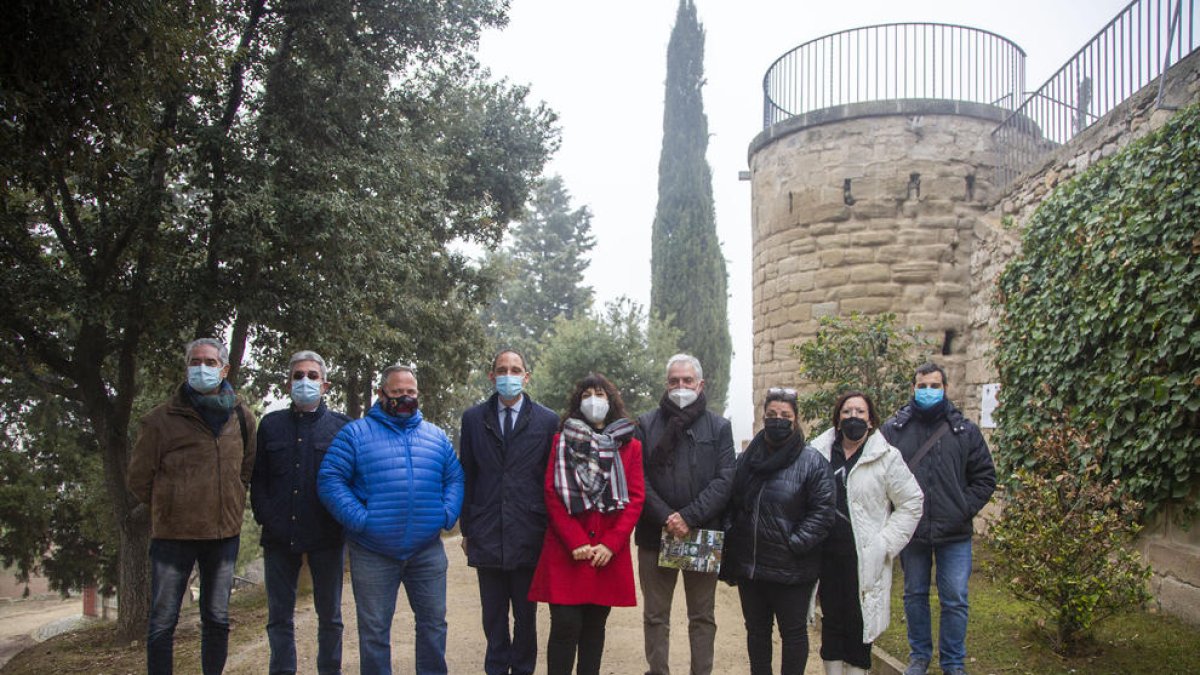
(894, 61)
(1137, 46)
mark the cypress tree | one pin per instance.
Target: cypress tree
(688, 277)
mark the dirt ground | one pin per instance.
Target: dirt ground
(623, 653)
(20, 619)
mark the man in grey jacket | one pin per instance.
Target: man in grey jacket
(688, 459)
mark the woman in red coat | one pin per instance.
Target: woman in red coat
(594, 495)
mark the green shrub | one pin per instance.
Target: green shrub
(1063, 539)
(867, 353)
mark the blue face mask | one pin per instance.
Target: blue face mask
(510, 386)
(306, 391)
(204, 378)
(928, 397)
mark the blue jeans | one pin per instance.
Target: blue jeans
(171, 562)
(953, 572)
(376, 579)
(282, 568)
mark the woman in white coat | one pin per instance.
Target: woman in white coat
(878, 507)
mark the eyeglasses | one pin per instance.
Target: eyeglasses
(784, 393)
(311, 374)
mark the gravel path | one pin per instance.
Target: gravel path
(623, 653)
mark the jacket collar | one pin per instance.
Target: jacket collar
(874, 448)
(908, 412)
(376, 413)
(312, 414)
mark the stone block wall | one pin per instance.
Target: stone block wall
(871, 211)
(889, 206)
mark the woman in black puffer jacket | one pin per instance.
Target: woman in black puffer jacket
(782, 509)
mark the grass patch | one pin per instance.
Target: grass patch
(94, 649)
(1001, 637)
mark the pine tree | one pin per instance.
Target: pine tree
(688, 277)
(543, 270)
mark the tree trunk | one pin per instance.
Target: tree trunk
(133, 578)
(353, 399)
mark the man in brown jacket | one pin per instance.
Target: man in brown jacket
(191, 464)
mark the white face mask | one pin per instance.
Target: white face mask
(594, 408)
(683, 397)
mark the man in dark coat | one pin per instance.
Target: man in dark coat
(688, 458)
(504, 448)
(947, 454)
(295, 524)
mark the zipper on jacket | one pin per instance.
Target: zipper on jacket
(754, 548)
(411, 493)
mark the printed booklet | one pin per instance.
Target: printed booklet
(699, 552)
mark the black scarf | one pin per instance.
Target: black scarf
(679, 420)
(760, 460)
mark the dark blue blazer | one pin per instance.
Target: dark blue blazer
(504, 513)
(283, 488)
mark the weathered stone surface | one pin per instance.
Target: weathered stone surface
(916, 271)
(827, 278)
(1170, 558)
(867, 305)
(1178, 598)
(824, 309)
(872, 238)
(868, 273)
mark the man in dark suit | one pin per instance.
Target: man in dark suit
(504, 447)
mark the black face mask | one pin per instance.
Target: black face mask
(854, 428)
(777, 429)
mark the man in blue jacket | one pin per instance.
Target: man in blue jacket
(504, 449)
(393, 482)
(283, 495)
(952, 463)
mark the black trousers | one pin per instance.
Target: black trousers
(764, 603)
(576, 629)
(841, 612)
(508, 653)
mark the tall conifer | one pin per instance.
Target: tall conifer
(688, 277)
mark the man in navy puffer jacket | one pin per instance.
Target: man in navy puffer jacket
(394, 483)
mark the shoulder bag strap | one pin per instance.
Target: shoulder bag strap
(924, 450)
(241, 414)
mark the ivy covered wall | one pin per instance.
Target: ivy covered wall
(1171, 548)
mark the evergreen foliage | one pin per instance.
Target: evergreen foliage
(688, 277)
(1064, 537)
(619, 343)
(856, 352)
(287, 175)
(1101, 317)
(542, 271)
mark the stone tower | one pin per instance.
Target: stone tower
(870, 205)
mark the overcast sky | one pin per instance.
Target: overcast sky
(601, 66)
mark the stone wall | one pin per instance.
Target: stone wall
(872, 209)
(889, 207)
(1172, 551)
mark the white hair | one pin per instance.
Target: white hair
(222, 350)
(688, 359)
(308, 355)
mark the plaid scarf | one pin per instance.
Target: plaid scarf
(588, 473)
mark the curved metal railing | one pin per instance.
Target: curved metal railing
(894, 61)
(1135, 48)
